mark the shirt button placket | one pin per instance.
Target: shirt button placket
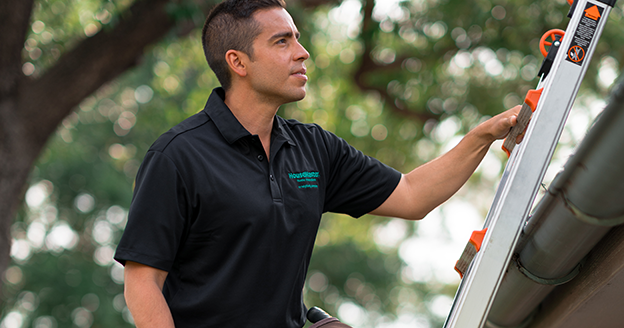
(275, 190)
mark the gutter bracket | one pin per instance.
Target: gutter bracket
(524, 324)
(545, 281)
(589, 219)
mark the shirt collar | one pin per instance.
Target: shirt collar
(230, 127)
(280, 131)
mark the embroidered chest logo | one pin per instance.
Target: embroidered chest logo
(305, 179)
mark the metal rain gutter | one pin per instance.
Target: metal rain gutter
(582, 203)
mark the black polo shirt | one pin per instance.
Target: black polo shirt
(234, 230)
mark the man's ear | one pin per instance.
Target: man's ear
(237, 61)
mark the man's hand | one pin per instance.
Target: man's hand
(432, 183)
(498, 127)
(143, 292)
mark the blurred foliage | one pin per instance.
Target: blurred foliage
(457, 60)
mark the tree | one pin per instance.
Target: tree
(83, 95)
(32, 107)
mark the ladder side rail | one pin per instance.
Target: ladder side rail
(493, 215)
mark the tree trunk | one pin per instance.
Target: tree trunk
(16, 155)
(31, 109)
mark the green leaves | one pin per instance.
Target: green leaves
(399, 80)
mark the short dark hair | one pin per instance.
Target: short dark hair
(230, 26)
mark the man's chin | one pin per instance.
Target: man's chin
(296, 96)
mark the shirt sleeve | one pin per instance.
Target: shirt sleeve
(358, 184)
(156, 219)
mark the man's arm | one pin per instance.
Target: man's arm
(143, 292)
(432, 183)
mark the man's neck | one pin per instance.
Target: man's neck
(255, 115)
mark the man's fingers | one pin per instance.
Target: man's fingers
(503, 122)
(513, 119)
(519, 138)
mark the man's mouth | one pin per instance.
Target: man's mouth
(300, 73)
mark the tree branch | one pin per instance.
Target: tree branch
(367, 66)
(314, 3)
(97, 60)
(93, 62)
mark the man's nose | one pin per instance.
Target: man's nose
(301, 53)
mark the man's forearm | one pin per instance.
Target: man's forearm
(149, 308)
(435, 182)
(431, 184)
(143, 292)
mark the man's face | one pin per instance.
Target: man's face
(277, 72)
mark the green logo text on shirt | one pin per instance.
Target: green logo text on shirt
(304, 177)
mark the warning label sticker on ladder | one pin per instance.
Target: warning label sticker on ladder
(584, 33)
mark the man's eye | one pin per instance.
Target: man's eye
(281, 41)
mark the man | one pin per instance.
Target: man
(228, 202)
